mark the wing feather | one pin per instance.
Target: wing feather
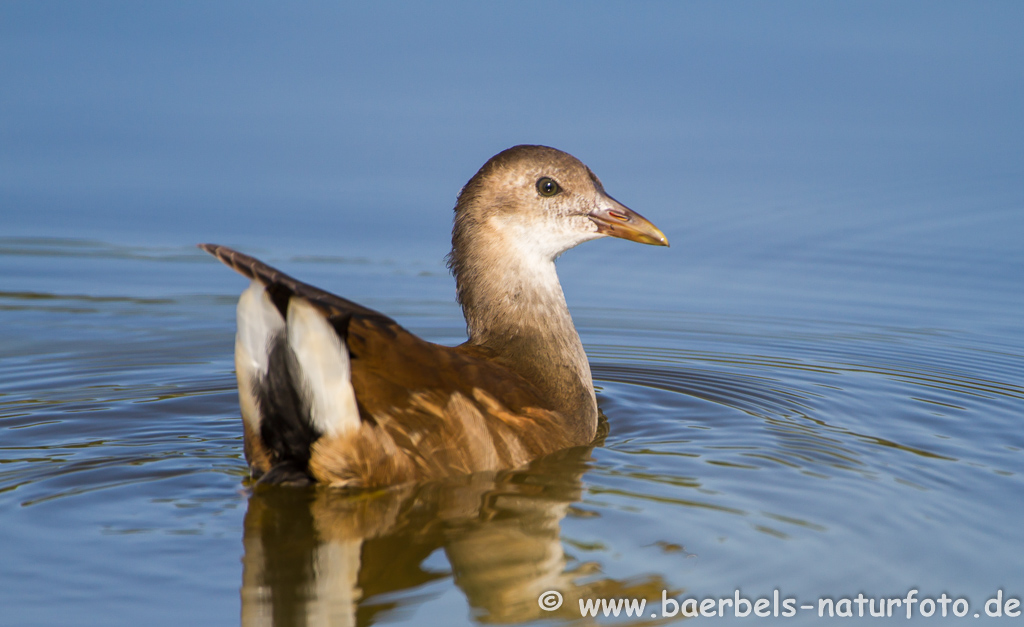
(425, 410)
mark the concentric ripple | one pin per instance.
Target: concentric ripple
(739, 451)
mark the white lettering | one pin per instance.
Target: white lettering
(957, 604)
(998, 602)
(1011, 608)
(761, 607)
(739, 600)
(844, 603)
(690, 608)
(909, 601)
(927, 603)
(664, 604)
(707, 607)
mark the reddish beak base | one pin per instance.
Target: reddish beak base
(620, 221)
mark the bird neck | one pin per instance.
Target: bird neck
(515, 308)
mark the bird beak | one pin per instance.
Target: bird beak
(619, 221)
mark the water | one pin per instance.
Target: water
(817, 390)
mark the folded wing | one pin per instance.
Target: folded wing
(335, 392)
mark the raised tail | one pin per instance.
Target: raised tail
(293, 367)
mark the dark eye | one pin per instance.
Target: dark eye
(547, 187)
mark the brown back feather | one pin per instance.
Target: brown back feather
(428, 410)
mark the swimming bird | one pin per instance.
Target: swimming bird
(337, 393)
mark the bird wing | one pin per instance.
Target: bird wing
(420, 409)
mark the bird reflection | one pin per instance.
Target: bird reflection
(316, 556)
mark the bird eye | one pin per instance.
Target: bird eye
(547, 187)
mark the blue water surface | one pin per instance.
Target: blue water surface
(818, 389)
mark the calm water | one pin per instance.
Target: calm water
(819, 389)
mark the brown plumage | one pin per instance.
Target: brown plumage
(335, 392)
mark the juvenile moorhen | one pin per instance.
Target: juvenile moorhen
(334, 392)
